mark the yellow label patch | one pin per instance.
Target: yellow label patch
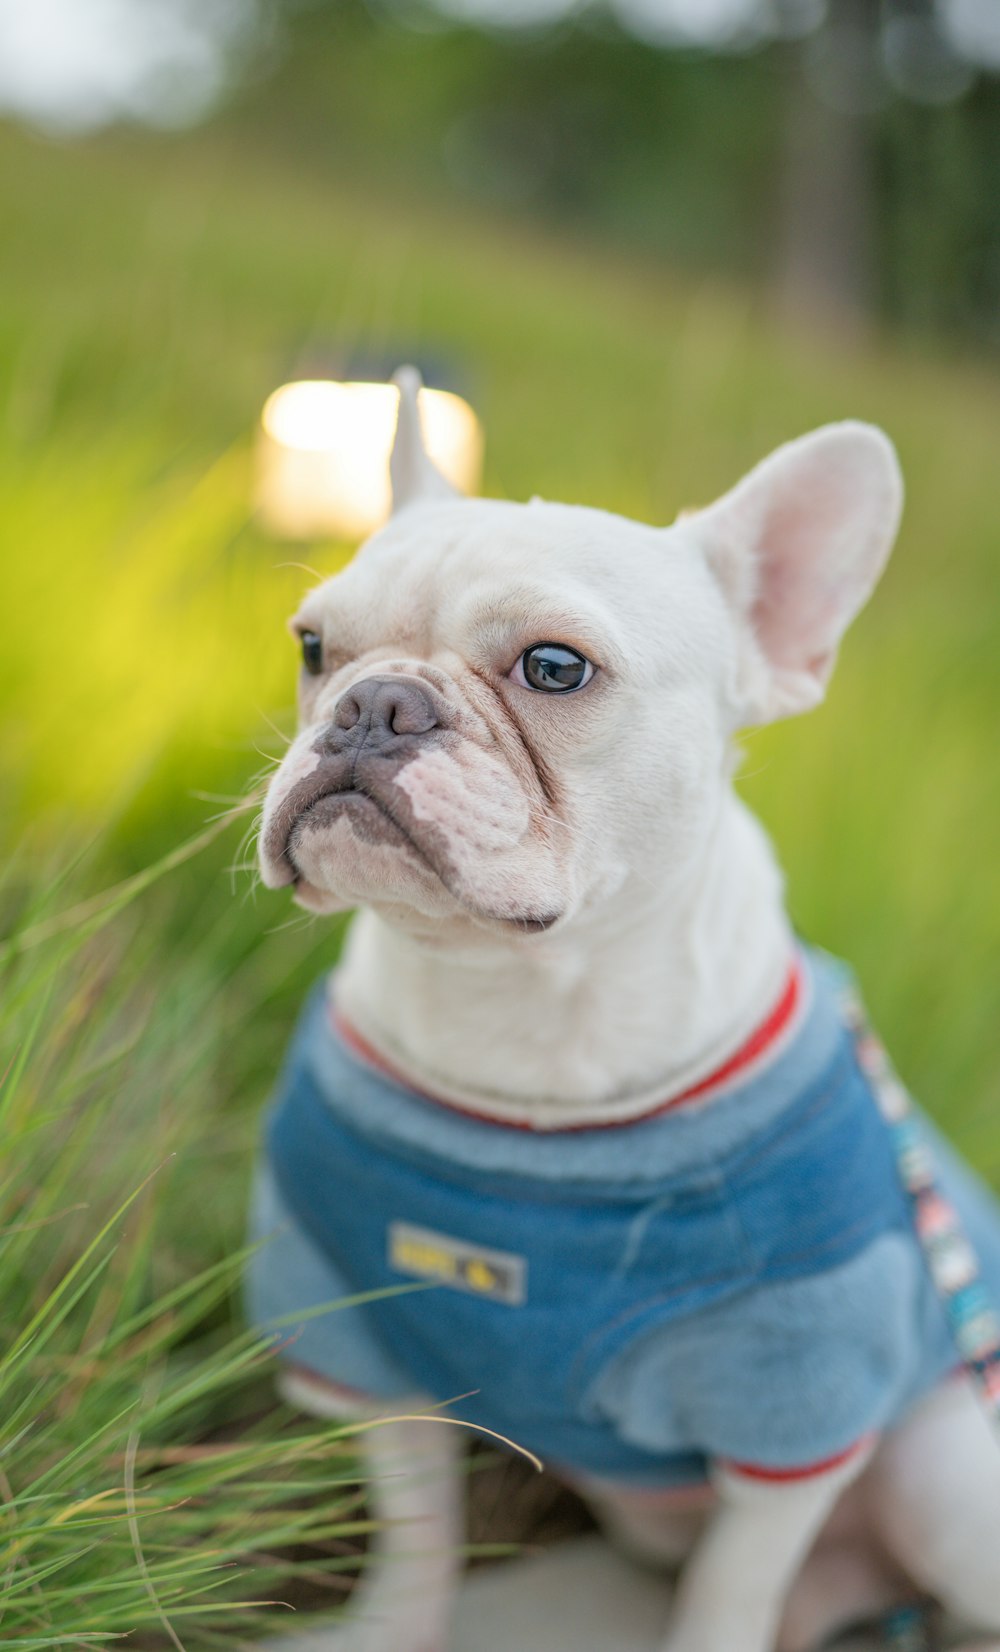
(423, 1254)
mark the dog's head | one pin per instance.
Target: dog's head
(507, 709)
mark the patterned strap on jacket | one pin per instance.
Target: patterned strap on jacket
(951, 1259)
(952, 1262)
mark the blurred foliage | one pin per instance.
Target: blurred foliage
(576, 124)
(154, 291)
(939, 227)
(681, 152)
(150, 1487)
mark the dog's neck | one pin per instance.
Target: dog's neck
(636, 999)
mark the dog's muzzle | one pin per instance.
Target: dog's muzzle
(378, 725)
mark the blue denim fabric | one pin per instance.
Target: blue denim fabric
(736, 1280)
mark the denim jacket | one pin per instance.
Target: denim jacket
(734, 1279)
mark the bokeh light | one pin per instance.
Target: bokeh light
(323, 454)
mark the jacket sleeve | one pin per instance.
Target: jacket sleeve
(788, 1377)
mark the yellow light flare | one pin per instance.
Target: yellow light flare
(323, 454)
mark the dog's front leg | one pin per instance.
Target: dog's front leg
(403, 1601)
(732, 1590)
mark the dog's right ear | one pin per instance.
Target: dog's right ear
(415, 478)
(797, 547)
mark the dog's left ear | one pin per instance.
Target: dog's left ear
(415, 478)
(798, 546)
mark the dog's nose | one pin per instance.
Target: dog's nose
(386, 708)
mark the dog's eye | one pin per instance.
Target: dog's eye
(312, 652)
(552, 667)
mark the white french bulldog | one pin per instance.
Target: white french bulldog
(515, 755)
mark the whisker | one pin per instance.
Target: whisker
(303, 920)
(287, 738)
(302, 566)
(237, 801)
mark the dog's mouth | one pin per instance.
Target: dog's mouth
(323, 800)
(332, 793)
(371, 821)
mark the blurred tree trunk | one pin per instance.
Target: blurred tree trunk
(825, 244)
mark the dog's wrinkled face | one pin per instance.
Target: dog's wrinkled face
(451, 763)
(507, 708)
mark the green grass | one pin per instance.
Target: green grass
(152, 293)
(146, 1477)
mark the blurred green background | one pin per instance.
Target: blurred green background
(651, 241)
(605, 238)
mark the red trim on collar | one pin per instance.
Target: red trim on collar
(754, 1049)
